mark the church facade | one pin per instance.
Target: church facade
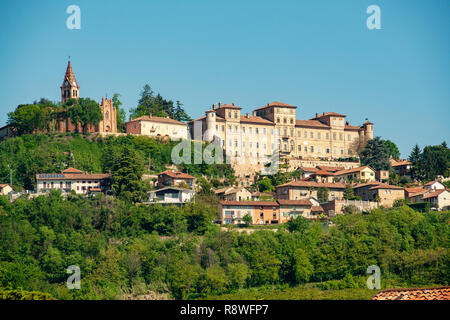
(70, 89)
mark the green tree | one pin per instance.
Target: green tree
(348, 192)
(376, 155)
(392, 149)
(247, 219)
(435, 160)
(414, 158)
(303, 267)
(127, 171)
(120, 113)
(322, 194)
(265, 185)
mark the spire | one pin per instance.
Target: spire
(70, 77)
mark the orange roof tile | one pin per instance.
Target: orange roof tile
(249, 203)
(327, 114)
(255, 119)
(338, 173)
(158, 119)
(300, 202)
(176, 174)
(72, 170)
(312, 184)
(434, 194)
(276, 104)
(434, 293)
(316, 209)
(310, 124)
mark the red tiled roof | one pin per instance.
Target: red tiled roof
(358, 169)
(433, 194)
(313, 184)
(316, 209)
(276, 104)
(435, 293)
(158, 119)
(255, 119)
(326, 114)
(301, 202)
(176, 174)
(72, 170)
(395, 163)
(329, 169)
(249, 203)
(308, 169)
(415, 190)
(351, 128)
(228, 106)
(323, 173)
(386, 186)
(310, 124)
(431, 182)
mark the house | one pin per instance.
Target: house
(434, 185)
(323, 176)
(162, 127)
(233, 194)
(307, 171)
(335, 206)
(5, 189)
(73, 179)
(291, 209)
(262, 212)
(329, 168)
(6, 131)
(295, 190)
(401, 167)
(434, 293)
(174, 178)
(385, 193)
(382, 175)
(364, 173)
(171, 195)
(438, 199)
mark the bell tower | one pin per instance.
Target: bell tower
(69, 87)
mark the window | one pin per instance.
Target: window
(235, 129)
(229, 114)
(334, 135)
(284, 120)
(235, 143)
(312, 148)
(265, 146)
(334, 150)
(217, 127)
(299, 134)
(328, 136)
(318, 135)
(305, 134)
(278, 120)
(243, 144)
(292, 121)
(311, 134)
(223, 128)
(299, 148)
(292, 132)
(251, 143)
(271, 131)
(319, 150)
(107, 115)
(342, 151)
(257, 145)
(250, 130)
(264, 131)
(243, 129)
(341, 136)
(235, 115)
(327, 150)
(256, 131)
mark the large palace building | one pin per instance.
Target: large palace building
(275, 127)
(71, 89)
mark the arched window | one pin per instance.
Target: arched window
(107, 115)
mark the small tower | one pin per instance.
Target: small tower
(368, 130)
(69, 87)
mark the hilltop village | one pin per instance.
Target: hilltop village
(324, 166)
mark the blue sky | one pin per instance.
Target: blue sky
(317, 55)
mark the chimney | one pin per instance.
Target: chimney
(246, 115)
(232, 103)
(317, 114)
(219, 104)
(213, 106)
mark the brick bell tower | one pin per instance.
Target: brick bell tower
(69, 88)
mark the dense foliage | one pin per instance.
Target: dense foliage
(123, 248)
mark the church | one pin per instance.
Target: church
(71, 89)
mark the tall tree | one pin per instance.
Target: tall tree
(435, 160)
(120, 112)
(414, 158)
(376, 154)
(392, 149)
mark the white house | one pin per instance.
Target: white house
(434, 185)
(171, 195)
(73, 179)
(439, 199)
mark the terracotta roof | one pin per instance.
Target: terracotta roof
(218, 118)
(358, 169)
(95, 189)
(72, 170)
(431, 182)
(276, 104)
(329, 169)
(249, 203)
(312, 184)
(386, 186)
(435, 293)
(367, 122)
(351, 128)
(2, 185)
(255, 119)
(301, 202)
(400, 163)
(323, 173)
(326, 114)
(316, 209)
(158, 119)
(434, 194)
(228, 106)
(222, 190)
(176, 174)
(415, 191)
(310, 124)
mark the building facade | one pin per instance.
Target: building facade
(262, 212)
(296, 190)
(174, 179)
(73, 179)
(275, 127)
(158, 127)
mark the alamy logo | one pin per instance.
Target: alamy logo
(74, 20)
(74, 281)
(374, 20)
(373, 282)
